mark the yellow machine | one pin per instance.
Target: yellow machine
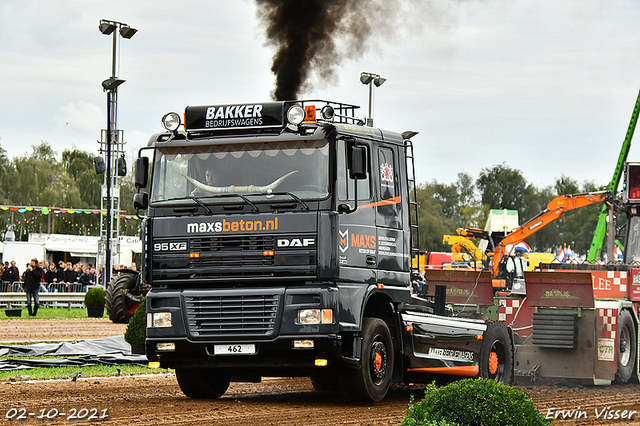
(536, 259)
(464, 250)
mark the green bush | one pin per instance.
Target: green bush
(95, 297)
(471, 402)
(136, 331)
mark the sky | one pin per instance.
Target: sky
(547, 87)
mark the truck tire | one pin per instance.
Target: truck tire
(496, 357)
(371, 381)
(206, 383)
(627, 347)
(120, 307)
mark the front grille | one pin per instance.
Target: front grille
(232, 315)
(232, 243)
(233, 256)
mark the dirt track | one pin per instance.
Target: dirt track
(282, 401)
(22, 331)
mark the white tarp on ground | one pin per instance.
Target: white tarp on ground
(108, 351)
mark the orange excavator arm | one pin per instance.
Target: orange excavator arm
(556, 208)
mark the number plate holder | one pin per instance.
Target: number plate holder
(231, 349)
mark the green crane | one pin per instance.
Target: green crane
(601, 228)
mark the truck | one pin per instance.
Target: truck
(277, 241)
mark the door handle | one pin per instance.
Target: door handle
(370, 260)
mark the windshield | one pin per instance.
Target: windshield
(300, 168)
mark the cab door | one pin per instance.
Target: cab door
(357, 234)
(388, 211)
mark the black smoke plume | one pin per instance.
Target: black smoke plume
(306, 34)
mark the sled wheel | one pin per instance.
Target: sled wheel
(627, 346)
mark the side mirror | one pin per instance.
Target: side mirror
(141, 200)
(141, 172)
(358, 162)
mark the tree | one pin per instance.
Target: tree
(576, 228)
(5, 172)
(472, 213)
(79, 166)
(40, 179)
(433, 223)
(502, 187)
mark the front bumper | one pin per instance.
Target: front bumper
(271, 357)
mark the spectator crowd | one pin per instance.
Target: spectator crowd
(48, 276)
(63, 276)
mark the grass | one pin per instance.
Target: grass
(48, 373)
(50, 313)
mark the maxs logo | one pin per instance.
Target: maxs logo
(357, 240)
(232, 226)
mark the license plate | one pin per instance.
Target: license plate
(247, 349)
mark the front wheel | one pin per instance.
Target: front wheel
(496, 357)
(627, 346)
(203, 383)
(371, 381)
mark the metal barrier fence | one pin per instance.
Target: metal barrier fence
(17, 286)
(56, 294)
(7, 286)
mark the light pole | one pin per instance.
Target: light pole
(371, 79)
(110, 86)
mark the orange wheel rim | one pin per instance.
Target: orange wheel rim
(378, 360)
(493, 363)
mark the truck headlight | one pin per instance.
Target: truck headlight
(315, 316)
(160, 319)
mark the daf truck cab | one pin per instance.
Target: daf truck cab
(277, 242)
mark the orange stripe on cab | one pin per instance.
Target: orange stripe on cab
(388, 201)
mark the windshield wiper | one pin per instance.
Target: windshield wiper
(245, 199)
(203, 205)
(292, 195)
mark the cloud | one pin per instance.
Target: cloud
(80, 116)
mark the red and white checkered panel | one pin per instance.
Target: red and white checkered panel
(607, 322)
(516, 314)
(610, 284)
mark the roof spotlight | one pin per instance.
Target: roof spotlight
(295, 115)
(328, 112)
(171, 121)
